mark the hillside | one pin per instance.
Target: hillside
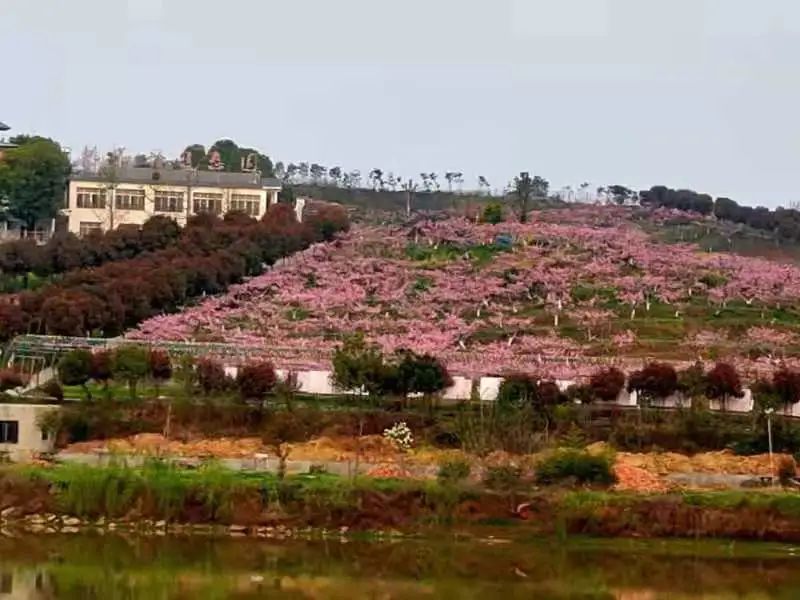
(575, 287)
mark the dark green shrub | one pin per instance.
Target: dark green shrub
(492, 213)
(53, 390)
(453, 471)
(517, 390)
(74, 368)
(504, 478)
(578, 466)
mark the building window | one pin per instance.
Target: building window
(168, 201)
(91, 198)
(6, 584)
(207, 203)
(89, 227)
(9, 432)
(130, 199)
(45, 435)
(246, 203)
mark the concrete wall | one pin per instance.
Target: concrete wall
(31, 440)
(109, 219)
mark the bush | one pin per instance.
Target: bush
(358, 365)
(549, 393)
(53, 389)
(421, 374)
(517, 390)
(655, 380)
(211, 376)
(692, 381)
(579, 393)
(492, 213)
(607, 383)
(503, 478)
(453, 471)
(255, 380)
(575, 465)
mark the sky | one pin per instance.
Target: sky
(703, 94)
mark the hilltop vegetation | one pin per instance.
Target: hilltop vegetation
(573, 287)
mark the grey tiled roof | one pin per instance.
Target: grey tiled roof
(142, 175)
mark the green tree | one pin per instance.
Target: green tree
(131, 364)
(358, 365)
(195, 153)
(492, 213)
(75, 368)
(33, 178)
(523, 186)
(419, 374)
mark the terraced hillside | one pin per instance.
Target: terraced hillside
(572, 288)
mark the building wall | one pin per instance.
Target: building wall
(30, 439)
(109, 218)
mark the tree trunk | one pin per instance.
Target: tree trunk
(87, 392)
(168, 421)
(283, 454)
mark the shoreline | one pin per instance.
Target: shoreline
(742, 516)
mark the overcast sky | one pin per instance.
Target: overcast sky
(688, 93)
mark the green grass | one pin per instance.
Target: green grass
(116, 489)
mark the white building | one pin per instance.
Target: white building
(21, 437)
(97, 202)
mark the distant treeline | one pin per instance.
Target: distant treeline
(785, 222)
(395, 201)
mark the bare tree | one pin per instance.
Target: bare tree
(410, 189)
(483, 184)
(376, 177)
(426, 181)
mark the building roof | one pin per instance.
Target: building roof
(271, 182)
(4, 127)
(142, 175)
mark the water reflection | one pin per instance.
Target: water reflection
(109, 568)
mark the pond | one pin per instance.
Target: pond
(458, 567)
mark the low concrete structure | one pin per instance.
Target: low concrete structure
(21, 438)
